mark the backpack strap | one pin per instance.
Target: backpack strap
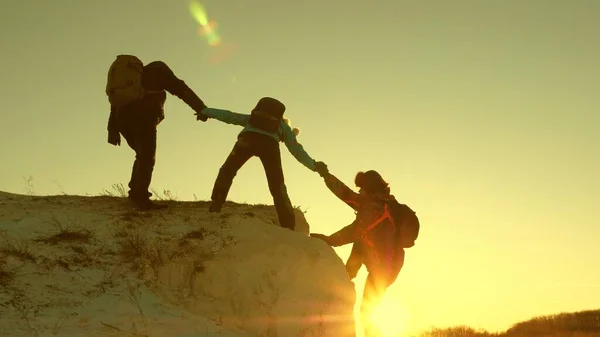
(386, 214)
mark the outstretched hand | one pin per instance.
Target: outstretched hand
(321, 237)
(201, 117)
(321, 168)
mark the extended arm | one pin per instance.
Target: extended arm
(158, 76)
(342, 191)
(295, 148)
(226, 116)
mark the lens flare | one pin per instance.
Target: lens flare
(207, 28)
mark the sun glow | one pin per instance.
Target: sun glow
(391, 318)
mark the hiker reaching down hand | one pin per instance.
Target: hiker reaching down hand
(264, 128)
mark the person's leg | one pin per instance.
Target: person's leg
(129, 135)
(241, 152)
(129, 124)
(143, 141)
(270, 156)
(133, 180)
(397, 266)
(374, 290)
(145, 157)
(354, 261)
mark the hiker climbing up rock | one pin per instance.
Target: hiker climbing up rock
(382, 229)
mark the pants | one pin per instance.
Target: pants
(139, 130)
(251, 144)
(376, 284)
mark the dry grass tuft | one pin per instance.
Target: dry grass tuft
(16, 248)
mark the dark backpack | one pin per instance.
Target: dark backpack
(406, 222)
(124, 81)
(267, 115)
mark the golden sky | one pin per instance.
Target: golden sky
(482, 116)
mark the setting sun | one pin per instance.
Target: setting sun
(480, 116)
(391, 317)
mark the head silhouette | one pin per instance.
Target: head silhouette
(371, 182)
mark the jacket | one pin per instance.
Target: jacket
(376, 244)
(157, 79)
(284, 134)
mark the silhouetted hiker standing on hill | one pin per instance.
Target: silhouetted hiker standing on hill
(263, 129)
(377, 243)
(137, 94)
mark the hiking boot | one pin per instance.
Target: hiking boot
(215, 208)
(147, 205)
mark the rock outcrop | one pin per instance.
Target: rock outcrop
(92, 266)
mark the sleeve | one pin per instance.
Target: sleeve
(295, 148)
(112, 121)
(159, 76)
(227, 116)
(342, 191)
(357, 229)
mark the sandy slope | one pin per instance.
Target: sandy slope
(91, 266)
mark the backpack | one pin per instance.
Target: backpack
(266, 120)
(406, 222)
(267, 115)
(124, 82)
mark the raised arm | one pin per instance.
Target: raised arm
(227, 116)
(342, 191)
(295, 148)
